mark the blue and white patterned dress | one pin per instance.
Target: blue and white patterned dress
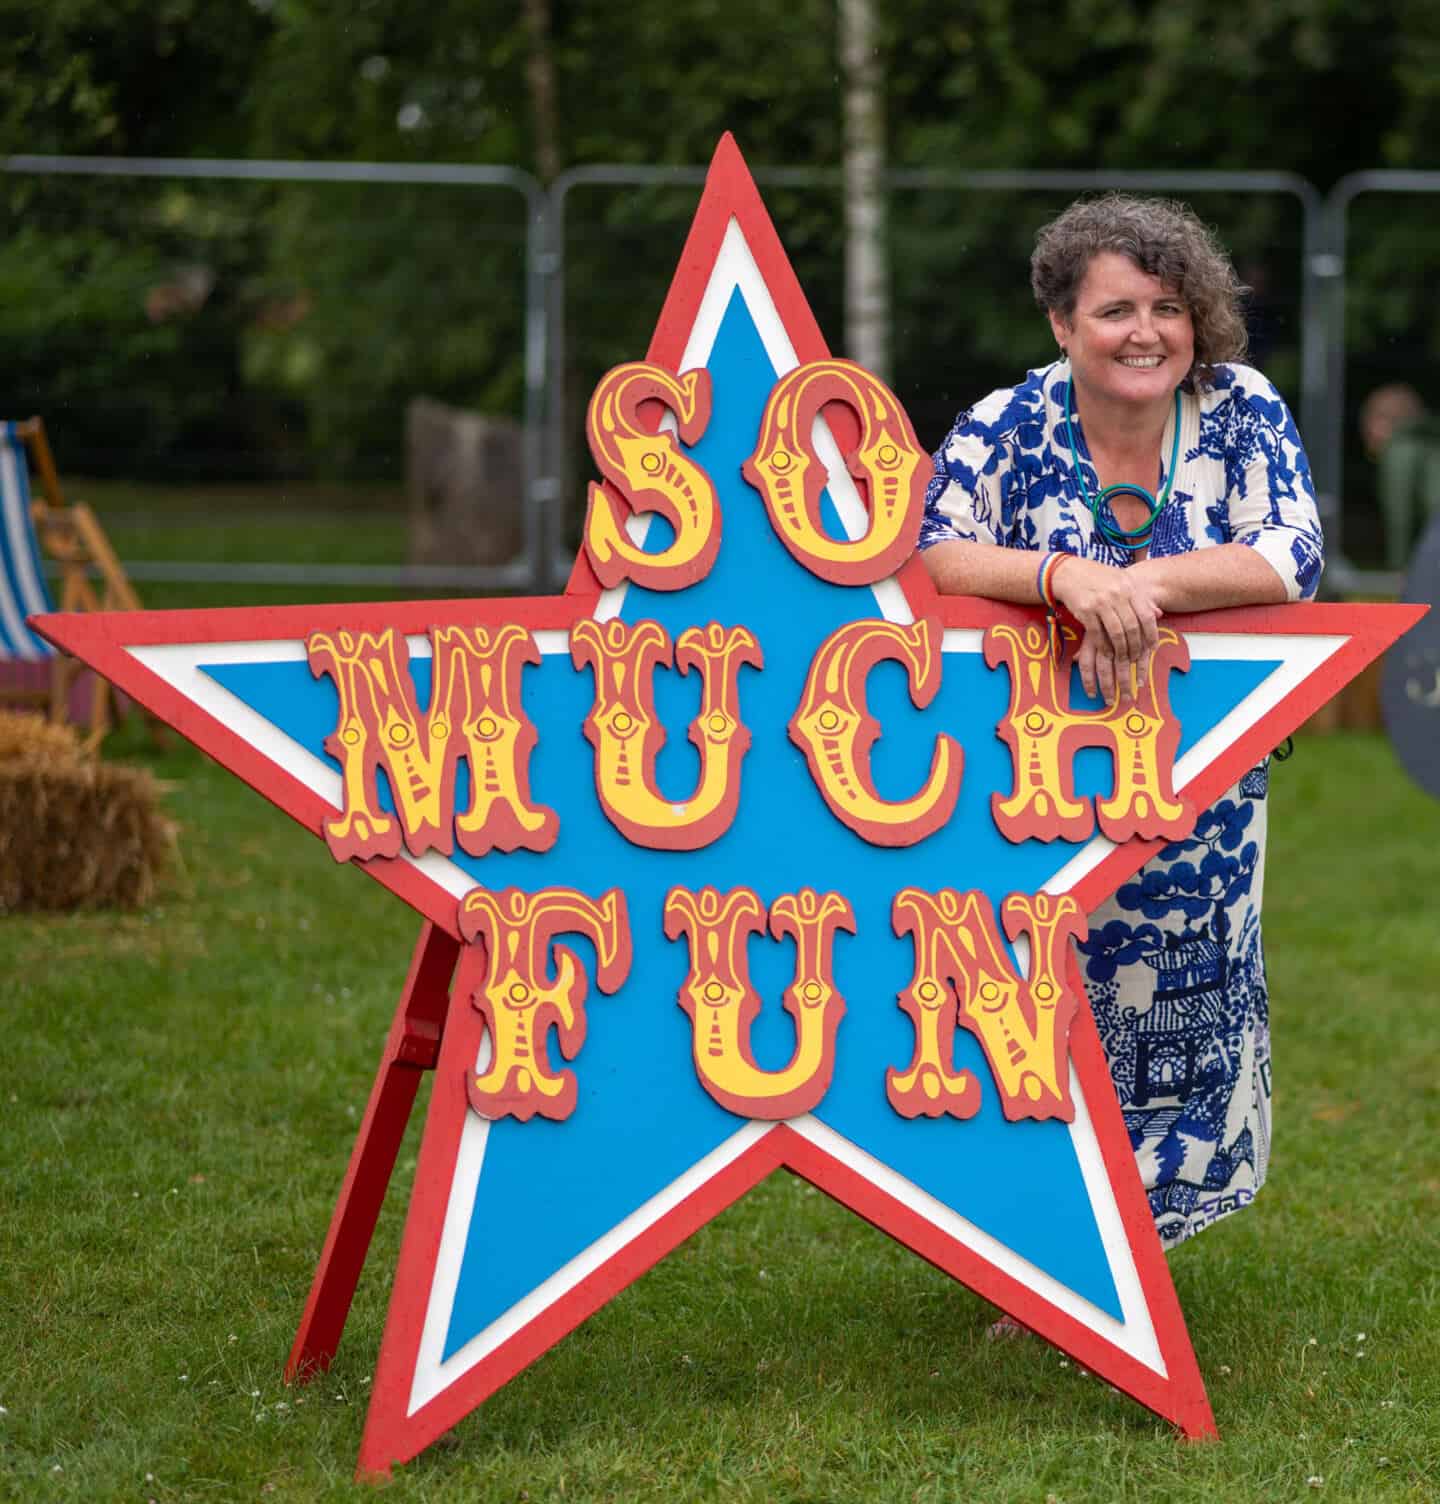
(1174, 963)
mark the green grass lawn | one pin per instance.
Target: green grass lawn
(294, 524)
(181, 1087)
(300, 524)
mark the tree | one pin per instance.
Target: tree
(329, 307)
(867, 264)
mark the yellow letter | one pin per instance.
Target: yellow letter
(722, 1004)
(1044, 734)
(521, 1002)
(788, 474)
(475, 692)
(627, 735)
(652, 473)
(1023, 1028)
(836, 730)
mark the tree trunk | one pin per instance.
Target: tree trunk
(867, 267)
(540, 80)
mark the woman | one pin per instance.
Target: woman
(1144, 306)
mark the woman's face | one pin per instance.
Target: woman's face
(1130, 338)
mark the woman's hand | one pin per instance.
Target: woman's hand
(1099, 671)
(1120, 614)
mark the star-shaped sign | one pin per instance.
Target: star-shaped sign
(560, 1163)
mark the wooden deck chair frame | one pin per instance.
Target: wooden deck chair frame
(91, 575)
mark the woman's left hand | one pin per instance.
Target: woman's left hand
(1120, 615)
(1102, 673)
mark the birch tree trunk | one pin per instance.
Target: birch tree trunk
(540, 80)
(867, 266)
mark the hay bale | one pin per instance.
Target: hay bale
(30, 739)
(75, 832)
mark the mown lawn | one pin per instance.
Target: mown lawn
(294, 524)
(179, 1092)
(298, 523)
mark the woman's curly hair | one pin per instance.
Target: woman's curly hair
(1164, 238)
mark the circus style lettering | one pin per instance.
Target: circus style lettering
(790, 476)
(521, 999)
(627, 734)
(1023, 1027)
(475, 711)
(836, 732)
(646, 467)
(722, 1004)
(1043, 734)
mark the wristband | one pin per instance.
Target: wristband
(1045, 578)
(1045, 585)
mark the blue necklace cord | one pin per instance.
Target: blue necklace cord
(1134, 538)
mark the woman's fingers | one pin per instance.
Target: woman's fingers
(1102, 674)
(1107, 676)
(1122, 627)
(1099, 672)
(1085, 662)
(1117, 609)
(1124, 644)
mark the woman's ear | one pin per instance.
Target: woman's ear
(1060, 327)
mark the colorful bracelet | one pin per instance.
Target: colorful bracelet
(1045, 584)
(1045, 578)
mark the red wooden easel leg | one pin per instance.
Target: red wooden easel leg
(412, 1047)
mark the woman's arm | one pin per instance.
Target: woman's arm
(1231, 574)
(999, 574)
(1119, 609)
(1118, 613)
(1269, 503)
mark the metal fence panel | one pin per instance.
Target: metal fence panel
(263, 324)
(192, 333)
(1382, 263)
(963, 320)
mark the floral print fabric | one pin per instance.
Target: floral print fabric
(1174, 963)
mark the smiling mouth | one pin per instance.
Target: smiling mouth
(1142, 362)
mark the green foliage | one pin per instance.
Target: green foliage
(330, 308)
(397, 292)
(181, 1088)
(127, 77)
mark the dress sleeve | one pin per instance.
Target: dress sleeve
(964, 498)
(1269, 495)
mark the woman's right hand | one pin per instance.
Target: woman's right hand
(1120, 617)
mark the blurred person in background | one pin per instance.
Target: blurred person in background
(1404, 441)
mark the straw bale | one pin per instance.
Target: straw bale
(31, 738)
(75, 832)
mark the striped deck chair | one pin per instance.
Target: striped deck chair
(33, 528)
(23, 590)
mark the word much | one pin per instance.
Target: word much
(475, 711)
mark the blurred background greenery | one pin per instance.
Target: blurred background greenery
(199, 332)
